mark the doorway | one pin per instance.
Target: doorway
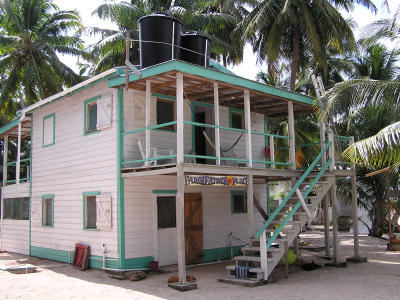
(203, 113)
(193, 228)
(200, 141)
(166, 230)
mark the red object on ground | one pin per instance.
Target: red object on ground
(154, 266)
(81, 256)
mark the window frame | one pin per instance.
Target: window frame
(86, 117)
(233, 194)
(53, 115)
(84, 215)
(165, 196)
(171, 128)
(236, 111)
(3, 212)
(44, 198)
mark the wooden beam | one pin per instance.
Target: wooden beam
(247, 118)
(292, 144)
(17, 165)
(148, 120)
(179, 118)
(5, 158)
(180, 223)
(216, 120)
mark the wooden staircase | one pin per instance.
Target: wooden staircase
(267, 248)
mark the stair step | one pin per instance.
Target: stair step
(242, 282)
(251, 258)
(254, 248)
(319, 182)
(252, 270)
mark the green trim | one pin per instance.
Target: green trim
(138, 262)
(202, 104)
(120, 183)
(164, 192)
(341, 137)
(54, 129)
(53, 254)
(10, 125)
(148, 159)
(150, 128)
(208, 73)
(219, 67)
(217, 254)
(162, 96)
(86, 103)
(233, 193)
(48, 196)
(30, 188)
(236, 110)
(84, 195)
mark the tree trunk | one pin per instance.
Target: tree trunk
(295, 58)
(379, 220)
(224, 58)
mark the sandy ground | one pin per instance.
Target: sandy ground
(377, 279)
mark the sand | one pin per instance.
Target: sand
(377, 279)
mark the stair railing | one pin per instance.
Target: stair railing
(261, 234)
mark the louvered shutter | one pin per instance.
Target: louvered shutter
(104, 112)
(103, 211)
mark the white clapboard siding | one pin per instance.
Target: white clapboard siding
(15, 233)
(104, 112)
(218, 222)
(76, 163)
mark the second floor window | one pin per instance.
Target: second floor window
(166, 113)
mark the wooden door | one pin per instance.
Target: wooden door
(193, 228)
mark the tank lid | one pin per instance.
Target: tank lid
(159, 15)
(198, 33)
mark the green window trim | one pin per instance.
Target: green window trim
(233, 110)
(85, 118)
(44, 197)
(164, 191)
(54, 130)
(233, 193)
(84, 195)
(163, 98)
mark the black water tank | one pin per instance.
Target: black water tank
(198, 48)
(160, 39)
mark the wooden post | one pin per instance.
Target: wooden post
(326, 226)
(216, 119)
(5, 158)
(179, 118)
(272, 151)
(249, 154)
(355, 207)
(334, 223)
(127, 50)
(264, 254)
(292, 142)
(17, 165)
(250, 207)
(180, 223)
(331, 150)
(148, 121)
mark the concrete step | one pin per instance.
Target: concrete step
(242, 281)
(251, 258)
(255, 249)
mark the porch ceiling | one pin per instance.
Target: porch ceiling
(11, 129)
(199, 86)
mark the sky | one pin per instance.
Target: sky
(249, 67)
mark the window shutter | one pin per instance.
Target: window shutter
(103, 211)
(104, 112)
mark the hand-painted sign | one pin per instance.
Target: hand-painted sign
(215, 180)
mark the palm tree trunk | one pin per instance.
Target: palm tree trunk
(295, 58)
(224, 58)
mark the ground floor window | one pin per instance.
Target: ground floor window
(166, 212)
(16, 208)
(238, 202)
(90, 210)
(48, 210)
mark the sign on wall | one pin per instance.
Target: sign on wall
(201, 180)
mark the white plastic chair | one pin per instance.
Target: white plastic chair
(155, 151)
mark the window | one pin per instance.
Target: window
(236, 119)
(165, 113)
(239, 202)
(48, 210)
(16, 208)
(49, 123)
(166, 212)
(97, 114)
(90, 210)
(97, 211)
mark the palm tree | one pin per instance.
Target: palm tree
(195, 15)
(32, 34)
(288, 29)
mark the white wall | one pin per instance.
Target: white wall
(15, 233)
(218, 221)
(77, 163)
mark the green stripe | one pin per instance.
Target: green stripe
(150, 128)
(164, 191)
(216, 254)
(120, 150)
(53, 254)
(30, 188)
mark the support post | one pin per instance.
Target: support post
(331, 150)
(216, 119)
(264, 254)
(5, 159)
(180, 224)
(272, 151)
(250, 207)
(148, 121)
(292, 142)
(127, 50)
(17, 165)
(355, 207)
(179, 118)
(286, 244)
(334, 223)
(249, 154)
(326, 226)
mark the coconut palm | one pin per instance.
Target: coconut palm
(32, 34)
(195, 15)
(289, 29)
